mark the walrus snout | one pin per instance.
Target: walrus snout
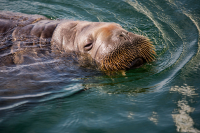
(132, 52)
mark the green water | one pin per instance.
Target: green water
(162, 96)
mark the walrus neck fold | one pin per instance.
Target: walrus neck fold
(64, 36)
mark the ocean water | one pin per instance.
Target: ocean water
(162, 96)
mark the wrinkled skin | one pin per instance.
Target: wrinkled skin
(112, 47)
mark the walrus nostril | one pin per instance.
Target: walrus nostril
(123, 35)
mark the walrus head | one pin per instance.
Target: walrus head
(112, 47)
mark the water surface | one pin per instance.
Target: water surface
(162, 96)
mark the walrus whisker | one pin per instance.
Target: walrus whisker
(147, 57)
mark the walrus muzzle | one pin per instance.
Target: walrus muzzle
(133, 51)
(128, 56)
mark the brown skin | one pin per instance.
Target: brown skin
(111, 46)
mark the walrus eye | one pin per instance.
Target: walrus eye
(88, 46)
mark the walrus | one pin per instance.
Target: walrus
(108, 44)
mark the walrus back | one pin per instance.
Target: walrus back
(18, 31)
(9, 21)
(19, 25)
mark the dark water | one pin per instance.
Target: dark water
(162, 96)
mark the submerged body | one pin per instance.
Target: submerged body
(108, 44)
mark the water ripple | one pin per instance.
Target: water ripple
(41, 97)
(13, 105)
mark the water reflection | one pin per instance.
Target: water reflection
(38, 96)
(154, 117)
(184, 90)
(182, 119)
